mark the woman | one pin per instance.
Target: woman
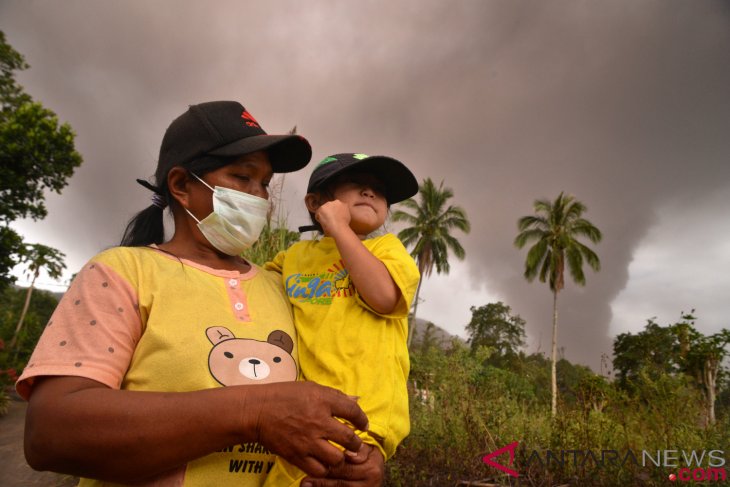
(124, 383)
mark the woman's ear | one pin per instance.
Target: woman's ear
(178, 182)
(313, 202)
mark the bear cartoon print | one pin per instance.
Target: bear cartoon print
(235, 361)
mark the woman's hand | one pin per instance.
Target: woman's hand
(296, 419)
(148, 433)
(367, 469)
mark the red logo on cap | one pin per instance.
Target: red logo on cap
(250, 121)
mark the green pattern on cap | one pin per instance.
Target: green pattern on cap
(326, 160)
(360, 156)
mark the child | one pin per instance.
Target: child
(351, 294)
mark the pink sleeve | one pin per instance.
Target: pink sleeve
(92, 333)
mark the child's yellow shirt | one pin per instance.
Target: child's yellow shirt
(345, 344)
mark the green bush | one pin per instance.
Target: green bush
(42, 305)
(463, 408)
(12, 362)
(8, 376)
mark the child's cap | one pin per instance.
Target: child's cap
(225, 128)
(400, 183)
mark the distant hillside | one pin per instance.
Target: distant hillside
(441, 336)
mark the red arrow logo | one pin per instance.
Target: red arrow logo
(511, 448)
(251, 121)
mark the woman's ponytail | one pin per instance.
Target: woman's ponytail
(147, 227)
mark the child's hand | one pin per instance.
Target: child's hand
(333, 216)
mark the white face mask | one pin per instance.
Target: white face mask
(236, 221)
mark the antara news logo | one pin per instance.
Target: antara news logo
(688, 463)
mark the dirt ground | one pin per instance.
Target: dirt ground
(14, 471)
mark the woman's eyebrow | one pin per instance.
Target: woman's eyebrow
(250, 165)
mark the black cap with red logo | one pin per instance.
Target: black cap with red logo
(225, 128)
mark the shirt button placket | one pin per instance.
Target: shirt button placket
(235, 294)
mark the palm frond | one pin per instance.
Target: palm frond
(455, 246)
(532, 221)
(528, 235)
(584, 228)
(535, 256)
(545, 269)
(574, 210)
(590, 257)
(575, 264)
(556, 226)
(431, 221)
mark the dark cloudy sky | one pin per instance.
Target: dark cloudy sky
(625, 104)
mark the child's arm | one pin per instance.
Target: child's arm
(370, 276)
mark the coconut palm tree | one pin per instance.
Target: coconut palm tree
(38, 257)
(431, 223)
(555, 229)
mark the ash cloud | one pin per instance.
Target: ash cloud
(621, 103)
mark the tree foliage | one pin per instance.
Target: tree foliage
(674, 350)
(494, 326)
(36, 154)
(11, 246)
(654, 351)
(11, 94)
(556, 229)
